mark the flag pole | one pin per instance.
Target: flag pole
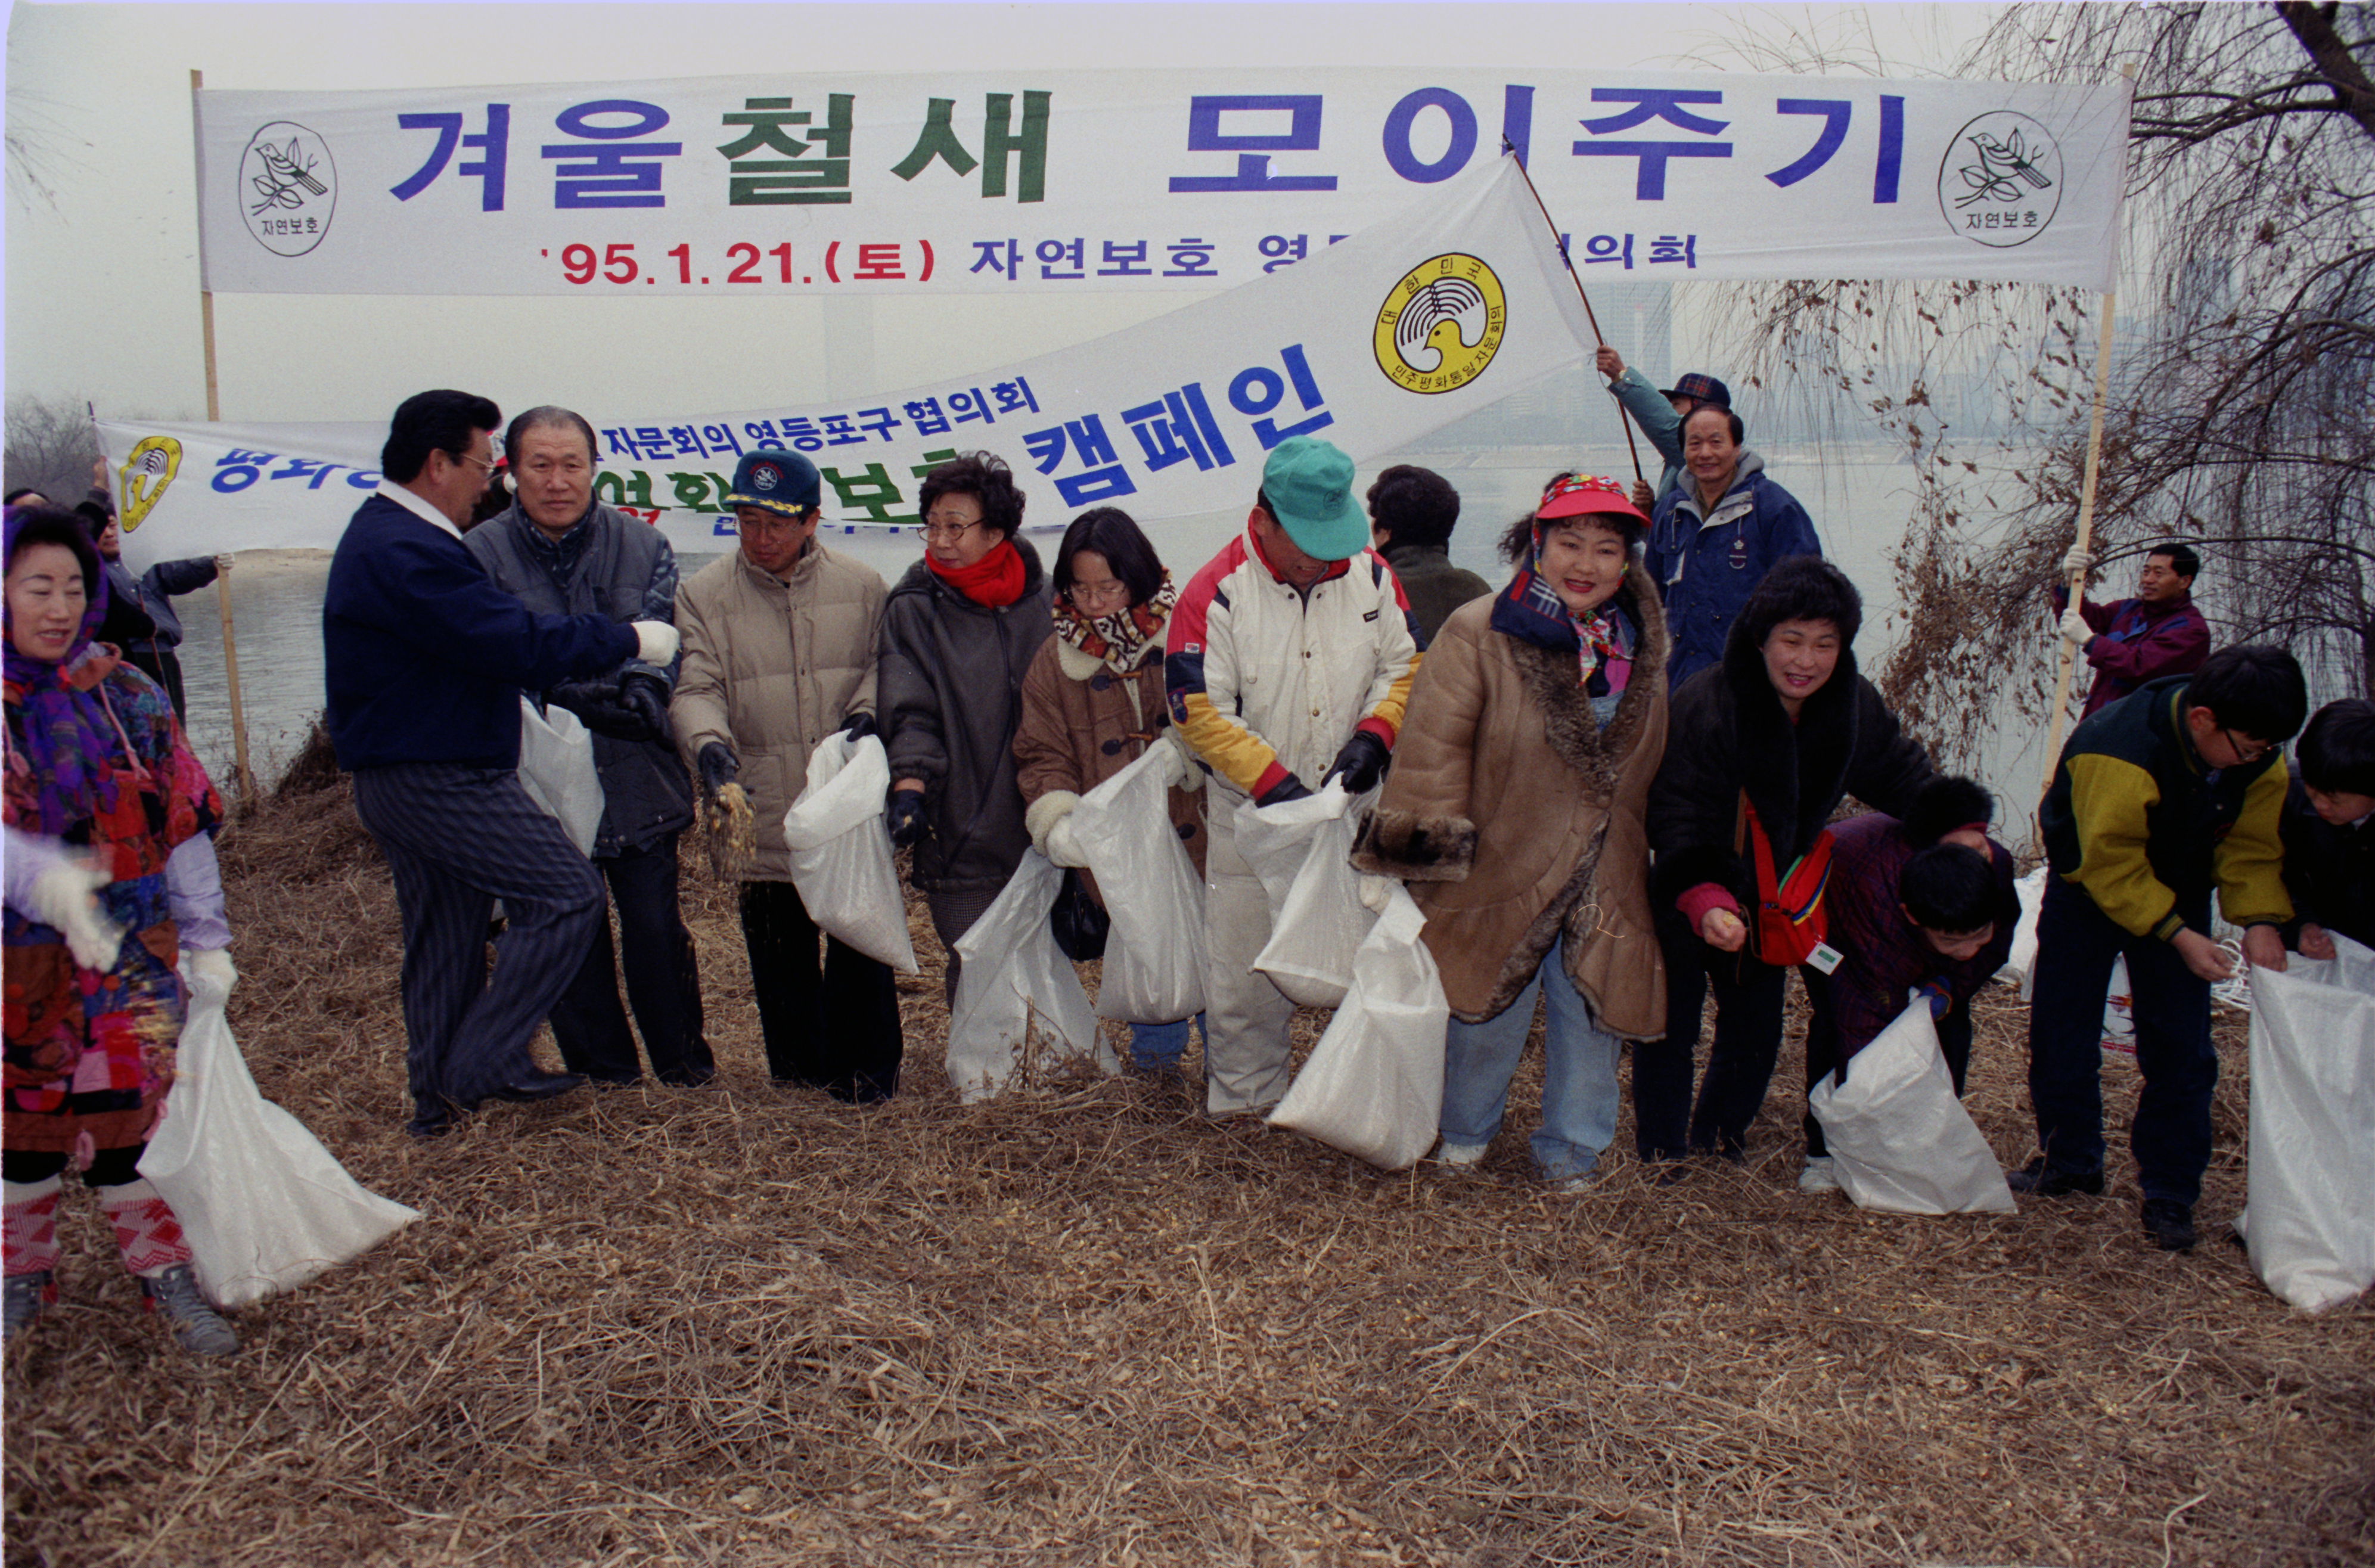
(213, 416)
(1509, 150)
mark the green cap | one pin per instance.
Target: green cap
(1309, 484)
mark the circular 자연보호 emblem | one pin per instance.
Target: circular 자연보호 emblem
(288, 188)
(1441, 324)
(2000, 183)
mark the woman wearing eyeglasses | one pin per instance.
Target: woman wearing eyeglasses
(1092, 702)
(959, 632)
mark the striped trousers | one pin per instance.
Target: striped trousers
(456, 839)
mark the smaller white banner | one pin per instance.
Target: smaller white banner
(1453, 304)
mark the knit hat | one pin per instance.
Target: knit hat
(774, 480)
(1308, 484)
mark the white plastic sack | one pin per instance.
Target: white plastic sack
(2022, 964)
(841, 857)
(1899, 1138)
(1155, 956)
(556, 768)
(1301, 851)
(2311, 1226)
(1016, 983)
(265, 1206)
(1373, 1087)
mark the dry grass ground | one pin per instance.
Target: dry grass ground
(1081, 1325)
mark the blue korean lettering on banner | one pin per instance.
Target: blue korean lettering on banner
(1253, 149)
(617, 171)
(494, 149)
(1659, 103)
(237, 469)
(1404, 115)
(1178, 427)
(1258, 389)
(1104, 478)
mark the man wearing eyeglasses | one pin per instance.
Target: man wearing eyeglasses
(563, 552)
(779, 653)
(2156, 798)
(425, 659)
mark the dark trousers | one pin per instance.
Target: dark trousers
(836, 1030)
(2075, 945)
(1740, 1065)
(108, 1167)
(663, 980)
(1823, 1047)
(456, 839)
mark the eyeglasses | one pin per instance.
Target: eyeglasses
(940, 525)
(2246, 750)
(486, 463)
(1114, 592)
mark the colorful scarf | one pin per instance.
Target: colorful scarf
(1121, 639)
(1530, 610)
(996, 580)
(64, 738)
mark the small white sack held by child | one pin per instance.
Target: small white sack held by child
(841, 857)
(1373, 1085)
(1899, 1138)
(2310, 1225)
(1302, 851)
(1154, 958)
(556, 768)
(265, 1206)
(1016, 983)
(2021, 965)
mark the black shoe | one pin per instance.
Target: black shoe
(2170, 1223)
(433, 1120)
(2042, 1181)
(532, 1086)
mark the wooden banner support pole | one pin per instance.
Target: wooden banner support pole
(2077, 584)
(213, 416)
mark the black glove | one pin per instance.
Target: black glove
(718, 767)
(905, 817)
(1361, 764)
(859, 727)
(598, 703)
(1287, 788)
(646, 696)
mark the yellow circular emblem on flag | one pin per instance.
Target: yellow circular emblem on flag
(1441, 324)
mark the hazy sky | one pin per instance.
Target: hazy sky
(102, 279)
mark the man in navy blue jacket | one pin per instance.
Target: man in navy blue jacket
(425, 659)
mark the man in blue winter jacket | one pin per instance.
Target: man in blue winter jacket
(1715, 536)
(425, 659)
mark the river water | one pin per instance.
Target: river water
(1861, 510)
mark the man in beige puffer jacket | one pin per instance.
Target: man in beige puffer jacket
(778, 654)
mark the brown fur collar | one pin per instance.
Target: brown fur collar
(1590, 749)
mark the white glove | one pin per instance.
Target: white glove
(2074, 630)
(209, 969)
(65, 896)
(1376, 893)
(2077, 563)
(1182, 772)
(1064, 845)
(656, 642)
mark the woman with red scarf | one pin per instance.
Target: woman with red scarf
(103, 798)
(959, 633)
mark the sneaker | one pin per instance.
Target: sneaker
(1818, 1176)
(26, 1296)
(199, 1328)
(1461, 1153)
(2037, 1178)
(2170, 1223)
(1571, 1186)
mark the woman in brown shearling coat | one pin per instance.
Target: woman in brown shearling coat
(1515, 812)
(1092, 702)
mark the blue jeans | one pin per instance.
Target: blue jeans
(1580, 1093)
(1157, 1047)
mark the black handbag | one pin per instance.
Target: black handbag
(1080, 922)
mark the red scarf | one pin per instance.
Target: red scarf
(996, 580)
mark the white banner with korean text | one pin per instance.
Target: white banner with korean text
(1073, 181)
(1456, 302)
